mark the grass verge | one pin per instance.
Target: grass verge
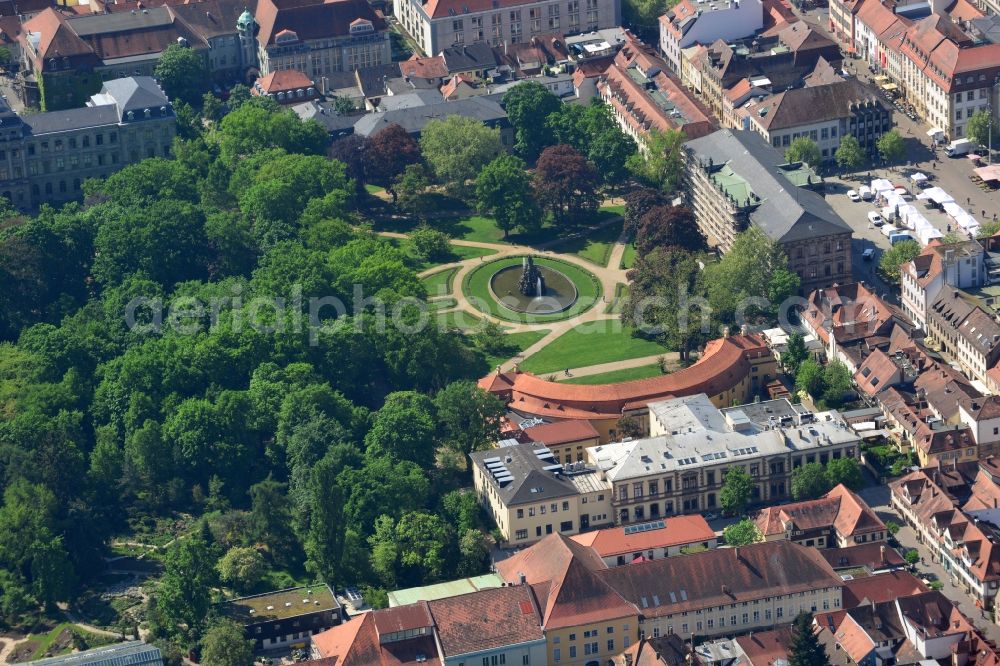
(593, 343)
(616, 376)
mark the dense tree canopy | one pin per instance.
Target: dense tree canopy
(160, 356)
(182, 72)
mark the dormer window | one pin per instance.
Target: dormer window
(361, 26)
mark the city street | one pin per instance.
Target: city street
(952, 175)
(877, 498)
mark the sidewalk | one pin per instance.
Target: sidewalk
(619, 365)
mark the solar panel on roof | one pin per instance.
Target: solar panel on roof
(494, 459)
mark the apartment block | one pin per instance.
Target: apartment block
(438, 24)
(681, 467)
(736, 179)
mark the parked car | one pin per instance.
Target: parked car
(853, 196)
(868, 254)
(875, 219)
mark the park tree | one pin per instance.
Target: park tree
(503, 191)
(271, 520)
(430, 244)
(890, 146)
(566, 183)
(743, 533)
(469, 417)
(803, 149)
(662, 163)
(795, 353)
(805, 648)
(404, 428)
(610, 151)
(184, 590)
(669, 226)
(737, 490)
(849, 154)
(752, 275)
(242, 567)
(387, 154)
(809, 481)
(980, 128)
(845, 471)
(457, 148)
(912, 556)
(461, 508)
(225, 644)
(890, 265)
(350, 151)
(412, 189)
(666, 300)
(640, 201)
(528, 104)
(473, 553)
(182, 73)
(324, 543)
(418, 548)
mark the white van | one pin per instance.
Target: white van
(888, 229)
(866, 193)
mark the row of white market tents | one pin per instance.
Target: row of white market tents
(896, 207)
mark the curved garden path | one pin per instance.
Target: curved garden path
(610, 276)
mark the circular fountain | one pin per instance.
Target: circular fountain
(532, 288)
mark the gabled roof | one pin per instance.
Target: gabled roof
(872, 556)
(312, 19)
(880, 588)
(719, 577)
(486, 620)
(677, 530)
(283, 80)
(135, 93)
(356, 643)
(764, 648)
(561, 432)
(56, 38)
(814, 104)
(562, 574)
(424, 68)
(839, 509)
(668, 650)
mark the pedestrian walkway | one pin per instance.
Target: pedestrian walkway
(601, 368)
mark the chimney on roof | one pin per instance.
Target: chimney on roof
(521, 577)
(881, 552)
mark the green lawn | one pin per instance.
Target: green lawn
(616, 376)
(59, 641)
(373, 189)
(628, 256)
(516, 343)
(440, 283)
(603, 341)
(594, 247)
(618, 302)
(477, 286)
(457, 319)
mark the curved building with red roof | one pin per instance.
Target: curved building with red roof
(730, 370)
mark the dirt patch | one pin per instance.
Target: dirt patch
(22, 652)
(62, 644)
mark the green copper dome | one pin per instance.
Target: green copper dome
(245, 19)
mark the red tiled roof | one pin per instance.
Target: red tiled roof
(854, 312)
(561, 432)
(57, 38)
(356, 643)
(440, 8)
(839, 509)
(678, 530)
(722, 366)
(403, 618)
(486, 620)
(763, 648)
(881, 587)
(282, 81)
(873, 556)
(424, 68)
(720, 577)
(562, 574)
(312, 19)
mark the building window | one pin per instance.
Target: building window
(521, 535)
